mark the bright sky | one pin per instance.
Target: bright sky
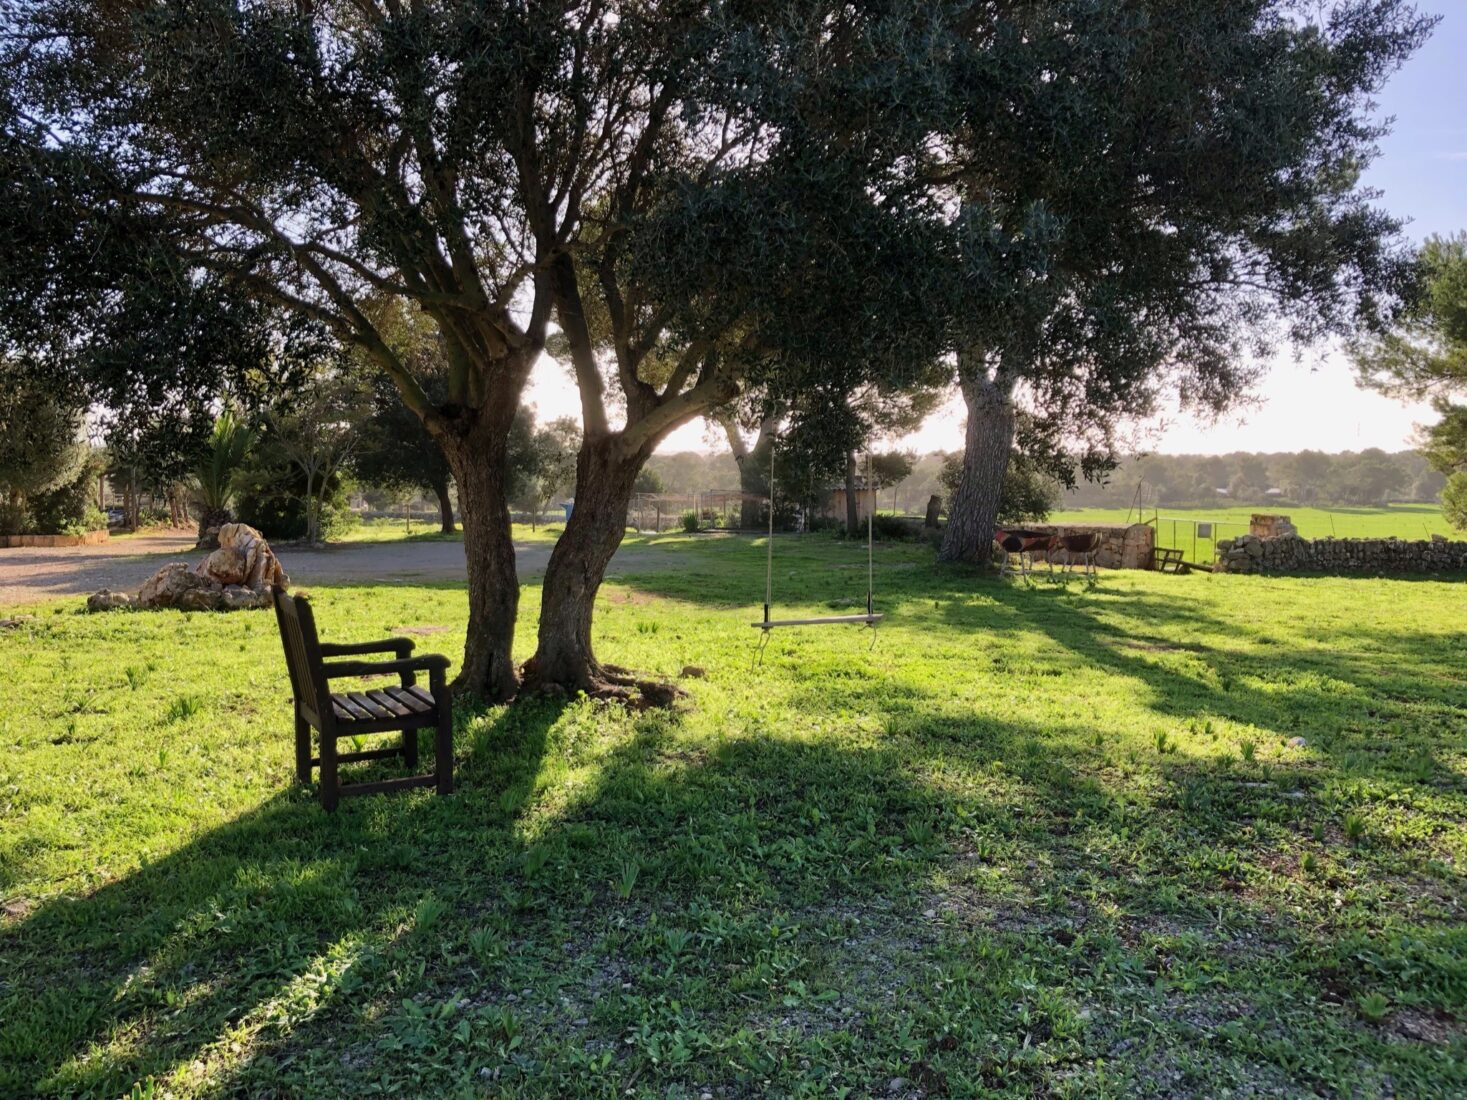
(1312, 402)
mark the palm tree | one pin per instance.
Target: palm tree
(217, 474)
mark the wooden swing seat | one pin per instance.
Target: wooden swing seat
(869, 620)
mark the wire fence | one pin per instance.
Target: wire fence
(1197, 539)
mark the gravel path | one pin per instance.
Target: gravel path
(28, 574)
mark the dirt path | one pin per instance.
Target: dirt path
(30, 574)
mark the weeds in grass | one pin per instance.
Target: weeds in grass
(427, 913)
(1354, 826)
(626, 881)
(984, 876)
(1374, 1007)
(183, 708)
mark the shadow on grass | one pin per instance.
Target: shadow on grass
(168, 959)
(609, 904)
(246, 955)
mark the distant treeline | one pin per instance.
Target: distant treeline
(1371, 476)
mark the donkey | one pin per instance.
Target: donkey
(1025, 544)
(1086, 546)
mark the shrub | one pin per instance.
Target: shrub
(691, 522)
(890, 528)
(15, 517)
(69, 509)
(271, 500)
(1454, 500)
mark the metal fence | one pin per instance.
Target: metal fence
(1196, 538)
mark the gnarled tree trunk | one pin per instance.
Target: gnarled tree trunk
(477, 458)
(564, 660)
(853, 502)
(445, 507)
(986, 449)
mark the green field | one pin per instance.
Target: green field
(1043, 839)
(1176, 526)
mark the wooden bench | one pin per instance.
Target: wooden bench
(403, 708)
(1165, 559)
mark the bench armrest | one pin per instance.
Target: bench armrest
(435, 664)
(403, 647)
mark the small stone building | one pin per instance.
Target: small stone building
(834, 505)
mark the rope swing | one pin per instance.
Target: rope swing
(870, 618)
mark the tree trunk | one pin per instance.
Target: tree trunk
(986, 449)
(753, 469)
(478, 460)
(853, 502)
(564, 660)
(445, 508)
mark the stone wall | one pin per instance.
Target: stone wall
(1292, 554)
(1122, 546)
(88, 538)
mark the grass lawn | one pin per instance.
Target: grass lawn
(382, 530)
(1403, 521)
(1043, 839)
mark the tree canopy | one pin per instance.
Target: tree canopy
(706, 200)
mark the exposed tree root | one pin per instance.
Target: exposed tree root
(605, 683)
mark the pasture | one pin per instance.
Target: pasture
(1404, 521)
(1045, 837)
(1175, 526)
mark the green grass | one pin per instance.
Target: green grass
(1175, 526)
(1043, 838)
(381, 530)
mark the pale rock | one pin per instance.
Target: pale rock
(108, 601)
(227, 565)
(236, 597)
(166, 587)
(200, 599)
(238, 576)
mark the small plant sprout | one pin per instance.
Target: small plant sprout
(485, 944)
(1354, 826)
(626, 882)
(184, 708)
(428, 912)
(1248, 751)
(535, 858)
(1164, 743)
(1374, 1007)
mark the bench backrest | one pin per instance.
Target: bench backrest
(302, 653)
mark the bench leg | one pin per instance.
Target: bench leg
(330, 785)
(410, 747)
(302, 749)
(443, 746)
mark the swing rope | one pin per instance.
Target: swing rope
(870, 618)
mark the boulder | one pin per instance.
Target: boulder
(167, 586)
(227, 565)
(200, 599)
(108, 601)
(261, 569)
(237, 576)
(236, 597)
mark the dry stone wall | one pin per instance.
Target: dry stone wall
(1122, 546)
(1292, 554)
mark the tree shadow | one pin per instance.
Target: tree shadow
(168, 959)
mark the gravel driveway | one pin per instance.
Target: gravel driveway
(28, 574)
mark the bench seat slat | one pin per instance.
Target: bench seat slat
(823, 621)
